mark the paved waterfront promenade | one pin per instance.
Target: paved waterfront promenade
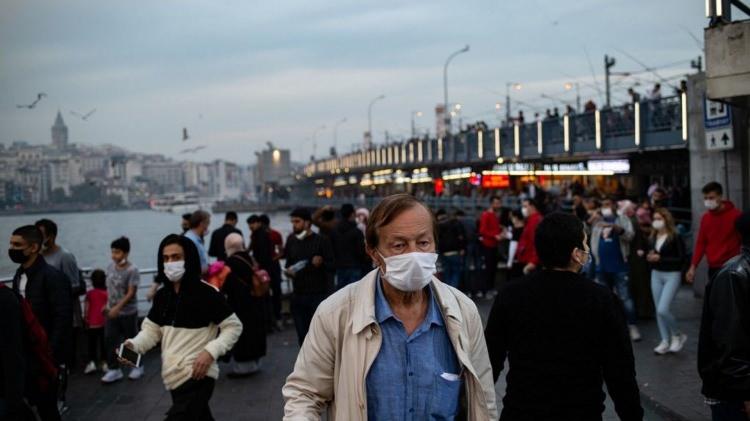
(670, 383)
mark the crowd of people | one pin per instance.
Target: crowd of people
(569, 287)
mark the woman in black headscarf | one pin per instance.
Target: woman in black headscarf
(238, 288)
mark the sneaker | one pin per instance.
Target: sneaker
(480, 295)
(678, 341)
(112, 376)
(662, 349)
(104, 367)
(135, 373)
(635, 334)
(90, 368)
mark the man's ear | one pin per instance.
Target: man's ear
(375, 256)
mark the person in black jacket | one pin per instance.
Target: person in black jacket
(216, 248)
(309, 263)
(48, 292)
(12, 359)
(724, 342)
(451, 247)
(667, 257)
(563, 336)
(348, 248)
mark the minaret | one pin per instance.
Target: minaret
(59, 133)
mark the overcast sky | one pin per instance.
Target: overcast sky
(239, 74)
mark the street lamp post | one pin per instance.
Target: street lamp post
(446, 112)
(508, 85)
(335, 134)
(315, 141)
(369, 118)
(413, 126)
(569, 86)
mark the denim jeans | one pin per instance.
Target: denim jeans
(664, 286)
(728, 411)
(620, 282)
(452, 269)
(116, 331)
(345, 277)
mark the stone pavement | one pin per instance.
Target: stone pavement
(669, 384)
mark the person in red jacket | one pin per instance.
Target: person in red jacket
(526, 254)
(717, 237)
(490, 233)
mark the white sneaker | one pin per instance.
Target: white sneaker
(90, 368)
(678, 341)
(662, 349)
(635, 334)
(135, 373)
(112, 376)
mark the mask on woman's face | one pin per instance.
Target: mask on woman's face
(658, 224)
(711, 204)
(174, 271)
(606, 212)
(409, 272)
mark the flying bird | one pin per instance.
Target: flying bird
(84, 117)
(185, 134)
(192, 150)
(39, 97)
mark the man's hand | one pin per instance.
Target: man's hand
(690, 275)
(498, 237)
(123, 361)
(113, 313)
(317, 261)
(653, 257)
(201, 365)
(528, 268)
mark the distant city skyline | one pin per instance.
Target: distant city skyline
(238, 76)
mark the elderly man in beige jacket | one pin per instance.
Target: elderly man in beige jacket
(399, 344)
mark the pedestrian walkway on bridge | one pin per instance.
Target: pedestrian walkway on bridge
(670, 386)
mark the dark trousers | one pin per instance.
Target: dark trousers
(276, 293)
(348, 276)
(190, 401)
(712, 272)
(303, 307)
(116, 331)
(46, 403)
(491, 258)
(452, 269)
(729, 411)
(97, 351)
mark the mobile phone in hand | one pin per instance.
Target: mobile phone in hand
(128, 354)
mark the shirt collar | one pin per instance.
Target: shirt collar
(384, 312)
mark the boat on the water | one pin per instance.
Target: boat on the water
(180, 203)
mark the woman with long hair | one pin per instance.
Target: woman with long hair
(667, 258)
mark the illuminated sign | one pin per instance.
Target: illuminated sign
(617, 166)
(495, 181)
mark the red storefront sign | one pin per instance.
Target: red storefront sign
(495, 181)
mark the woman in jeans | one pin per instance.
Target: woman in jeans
(667, 257)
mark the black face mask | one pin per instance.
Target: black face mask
(17, 256)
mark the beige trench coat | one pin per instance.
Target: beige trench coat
(345, 338)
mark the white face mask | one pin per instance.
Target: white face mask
(657, 224)
(606, 212)
(302, 235)
(174, 270)
(410, 272)
(711, 204)
(525, 212)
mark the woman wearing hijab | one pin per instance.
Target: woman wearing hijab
(251, 346)
(194, 325)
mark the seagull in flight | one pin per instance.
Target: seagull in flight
(192, 150)
(39, 97)
(84, 117)
(185, 134)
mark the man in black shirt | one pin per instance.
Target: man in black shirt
(12, 358)
(563, 336)
(348, 248)
(309, 262)
(216, 249)
(48, 292)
